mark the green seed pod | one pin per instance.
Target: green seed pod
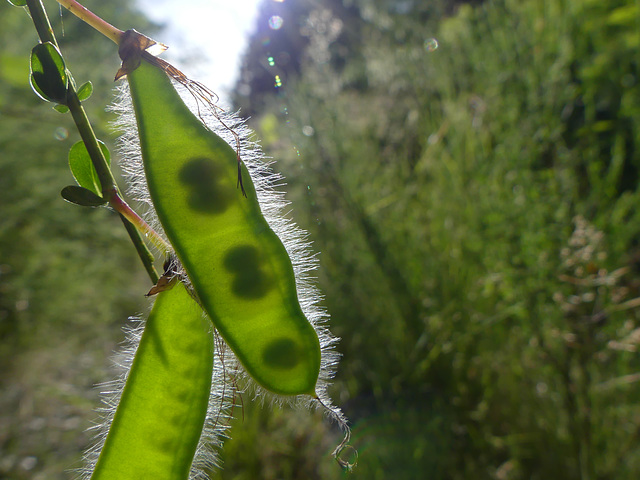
(238, 266)
(159, 420)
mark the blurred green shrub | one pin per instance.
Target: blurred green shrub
(445, 190)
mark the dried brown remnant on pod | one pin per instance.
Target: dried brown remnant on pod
(133, 45)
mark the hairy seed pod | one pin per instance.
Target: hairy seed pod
(238, 266)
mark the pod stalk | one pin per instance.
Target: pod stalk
(120, 206)
(112, 33)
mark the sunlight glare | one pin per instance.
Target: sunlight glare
(206, 38)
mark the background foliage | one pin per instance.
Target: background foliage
(475, 206)
(471, 205)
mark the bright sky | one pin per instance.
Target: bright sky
(211, 33)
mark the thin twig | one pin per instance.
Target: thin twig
(92, 19)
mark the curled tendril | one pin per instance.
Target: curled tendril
(340, 450)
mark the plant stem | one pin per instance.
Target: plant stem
(143, 252)
(92, 19)
(41, 21)
(107, 181)
(88, 136)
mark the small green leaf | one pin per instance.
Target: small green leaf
(82, 196)
(61, 108)
(18, 3)
(82, 167)
(85, 91)
(48, 77)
